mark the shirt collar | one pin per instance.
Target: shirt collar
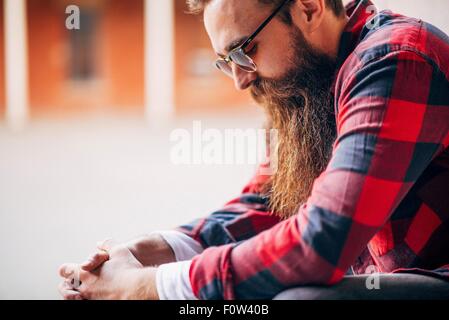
(359, 14)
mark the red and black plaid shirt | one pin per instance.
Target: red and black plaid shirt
(383, 199)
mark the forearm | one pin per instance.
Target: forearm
(151, 250)
(240, 219)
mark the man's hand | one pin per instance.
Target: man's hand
(112, 273)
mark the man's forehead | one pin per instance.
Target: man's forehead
(229, 22)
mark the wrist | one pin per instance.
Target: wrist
(142, 284)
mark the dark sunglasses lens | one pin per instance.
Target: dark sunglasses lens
(243, 61)
(223, 66)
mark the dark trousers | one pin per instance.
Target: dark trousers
(385, 287)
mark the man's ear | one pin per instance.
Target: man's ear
(308, 14)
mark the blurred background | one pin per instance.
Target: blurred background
(85, 123)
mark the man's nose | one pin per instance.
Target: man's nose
(242, 79)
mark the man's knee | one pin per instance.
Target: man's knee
(398, 286)
(311, 293)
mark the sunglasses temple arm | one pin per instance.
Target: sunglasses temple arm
(263, 25)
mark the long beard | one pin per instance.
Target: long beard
(300, 106)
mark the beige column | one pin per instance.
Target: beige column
(159, 59)
(16, 63)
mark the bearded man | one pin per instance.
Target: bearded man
(361, 104)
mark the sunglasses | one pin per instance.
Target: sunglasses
(239, 56)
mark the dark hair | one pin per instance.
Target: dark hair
(337, 7)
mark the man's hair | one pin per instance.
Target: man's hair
(337, 7)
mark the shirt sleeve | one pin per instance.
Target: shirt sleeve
(239, 219)
(172, 281)
(389, 131)
(183, 246)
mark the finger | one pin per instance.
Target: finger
(68, 270)
(107, 244)
(95, 261)
(64, 285)
(68, 293)
(72, 295)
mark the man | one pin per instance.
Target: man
(361, 103)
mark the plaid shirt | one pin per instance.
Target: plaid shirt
(383, 200)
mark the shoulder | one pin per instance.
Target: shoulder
(390, 37)
(385, 34)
